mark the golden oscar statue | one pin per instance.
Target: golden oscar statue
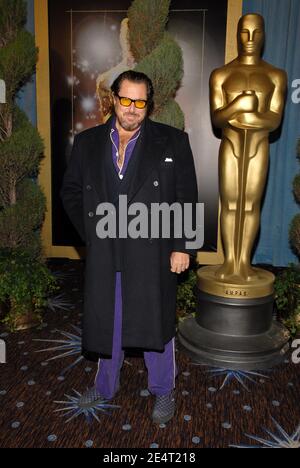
(247, 99)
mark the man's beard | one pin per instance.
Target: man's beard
(129, 126)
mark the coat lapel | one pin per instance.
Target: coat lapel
(148, 153)
(148, 156)
(100, 153)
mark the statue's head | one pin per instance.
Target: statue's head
(251, 34)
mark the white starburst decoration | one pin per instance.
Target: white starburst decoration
(73, 407)
(242, 377)
(88, 104)
(59, 302)
(85, 64)
(71, 346)
(280, 439)
(72, 80)
(79, 126)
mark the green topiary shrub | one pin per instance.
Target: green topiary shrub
(295, 234)
(25, 280)
(287, 298)
(295, 224)
(296, 187)
(147, 22)
(158, 55)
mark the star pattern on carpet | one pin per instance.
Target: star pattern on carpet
(70, 346)
(243, 377)
(279, 439)
(73, 407)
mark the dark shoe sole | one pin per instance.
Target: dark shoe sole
(163, 420)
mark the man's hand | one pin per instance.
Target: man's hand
(179, 262)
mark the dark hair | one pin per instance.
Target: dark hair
(135, 77)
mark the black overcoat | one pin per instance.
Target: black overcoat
(164, 172)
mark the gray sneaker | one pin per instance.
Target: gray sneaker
(164, 408)
(91, 397)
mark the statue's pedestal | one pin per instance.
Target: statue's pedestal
(233, 329)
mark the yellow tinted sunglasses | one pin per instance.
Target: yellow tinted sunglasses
(126, 102)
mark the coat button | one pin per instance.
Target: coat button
(155, 183)
(88, 187)
(91, 214)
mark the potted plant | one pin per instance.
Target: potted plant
(295, 224)
(25, 284)
(287, 297)
(3, 309)
(186, 297)
(288, 283)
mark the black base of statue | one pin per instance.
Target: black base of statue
(238, 334)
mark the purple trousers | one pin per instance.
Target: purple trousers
(161, 366)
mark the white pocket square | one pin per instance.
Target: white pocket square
(168, 160)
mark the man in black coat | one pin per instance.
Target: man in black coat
(131, 277)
